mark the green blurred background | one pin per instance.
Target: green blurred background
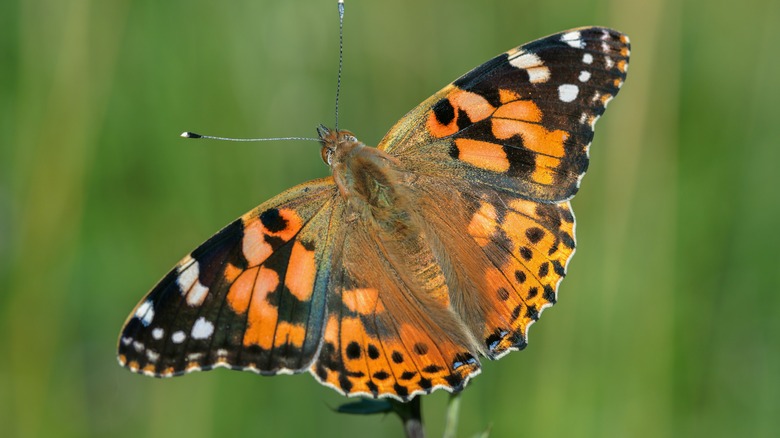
(668, 322)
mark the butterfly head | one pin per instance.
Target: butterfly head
(332, 140)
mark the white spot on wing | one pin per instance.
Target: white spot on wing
(152, 355)
(145, 313)
(584, 76)
(537, 72)
(568, 92)
(587, 58)
(610, 63)
(188, 271)
(158, 333)
(139, 347)
(573, 39)
(202, 329)
(538, 75)
(526, 61)
(197, 294)
(189, 283)
(126, 340)
(194, 356)
(178, 337)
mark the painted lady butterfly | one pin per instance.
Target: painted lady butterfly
(390, 278)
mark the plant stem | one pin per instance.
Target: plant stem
(451, 418)
(411, 416)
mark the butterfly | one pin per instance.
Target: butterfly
(393, 276)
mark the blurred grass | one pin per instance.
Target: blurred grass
(667, 324)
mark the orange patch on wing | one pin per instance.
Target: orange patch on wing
(263, 316)
(483, 224)
(364, 301)
(482, 154)
(301, 271)
(241, 291)
(287, 333)
(231, 272)
(423, 350)
(507, 96)
(439, 130)
(519, 110)
(544, 172)
(474, 105)
(523, 206)
(535, 137)
(356, 365)
(494, 279)
(352, 330)
(294, 224)
(256, 249)
(621, 65)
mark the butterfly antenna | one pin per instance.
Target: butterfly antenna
(188, 134)
(341, 58)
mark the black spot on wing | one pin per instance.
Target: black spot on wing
(534, 234)
(353, 350)
(421, 348)
(273, 221)
(544, 269)
(408, 375)
(401, 390)
(444, 111)
(549, 293)
(463, 120)
(521, 160)
(432, 368)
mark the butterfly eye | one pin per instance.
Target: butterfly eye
(327, 155)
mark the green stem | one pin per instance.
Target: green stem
(411, 415)
(451, 419)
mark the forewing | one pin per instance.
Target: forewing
(252, 297)
(521, 122)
